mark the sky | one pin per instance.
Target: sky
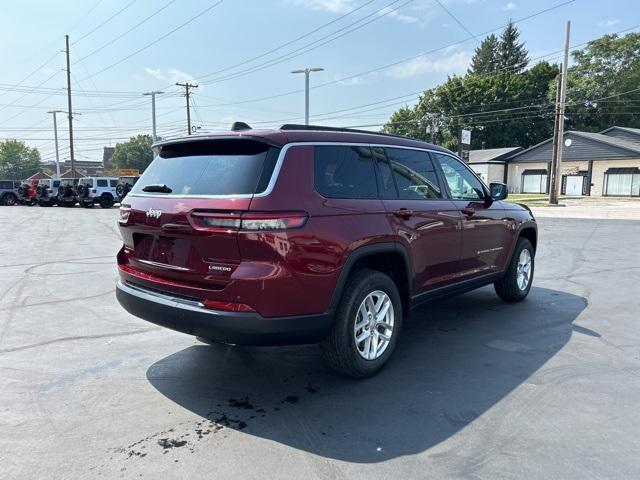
(377, 55)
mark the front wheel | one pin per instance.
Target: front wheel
(367, 325)
(516, 283)
(10, 199)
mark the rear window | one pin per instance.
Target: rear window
(211, 167)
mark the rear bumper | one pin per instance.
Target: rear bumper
(240, 328)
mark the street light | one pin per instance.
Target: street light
(153, 110)
(306, 72)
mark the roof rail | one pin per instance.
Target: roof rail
(323, 128)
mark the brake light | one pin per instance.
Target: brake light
(229, 222)
(275, 221)
(215, 222)
(227, 306)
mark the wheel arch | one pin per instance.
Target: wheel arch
(390, 258)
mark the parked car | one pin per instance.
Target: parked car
(125, 184)
(27, 193)
(9, 192)
(67, 192)
(97, 190)
(47, 192)
(313, 234)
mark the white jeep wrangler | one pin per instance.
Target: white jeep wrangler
(100, 190)
(47, 192)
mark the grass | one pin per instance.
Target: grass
(533, 199)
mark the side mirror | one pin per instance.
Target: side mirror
(498, 191)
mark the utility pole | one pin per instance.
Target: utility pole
(187, 86)
(153, 110)
(432, 129)
(55, 137)
(306, 72)
(559, 134)
(70, 110)
(553, 196)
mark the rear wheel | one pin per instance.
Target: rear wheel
(516, 283)
(367, 325)
(106, 201)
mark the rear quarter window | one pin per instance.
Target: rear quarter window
(344, 172)
(211, 167)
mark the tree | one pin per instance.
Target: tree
(17, 160)
(602, 84)
(512, 56)
(485, 57)
(503, 110)
(134, 153)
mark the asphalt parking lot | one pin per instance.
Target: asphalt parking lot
(548, 388)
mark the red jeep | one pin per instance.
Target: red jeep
(313, 234)
(27, 193)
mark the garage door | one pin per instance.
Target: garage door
(622, 182)
(534, 181)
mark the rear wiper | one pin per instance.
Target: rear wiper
(157, 187)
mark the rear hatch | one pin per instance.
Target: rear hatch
(180, 221)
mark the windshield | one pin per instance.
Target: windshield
(209, 167)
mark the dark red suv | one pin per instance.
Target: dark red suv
(312, 234)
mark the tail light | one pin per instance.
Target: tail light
(125, 211)
(227, 306)
(230, 222)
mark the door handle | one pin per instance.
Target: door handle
(468, 211)
(403, 213)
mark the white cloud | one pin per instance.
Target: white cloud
(333, 6)
(509, 6)
(451, 64)
(610, 22)
(350, 82)
(172, 75)
(393, 13)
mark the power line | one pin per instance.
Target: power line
(110, 42)
(104, 22)
(162, 37)
(379, 14)
(457, 20)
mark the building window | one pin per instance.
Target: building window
(534, 181)
(622, 182)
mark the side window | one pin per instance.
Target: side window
(344, 172)
(102, 183)
(463, 185)
(414, 174)
(386, 183)
(113, 183)
(6, 185)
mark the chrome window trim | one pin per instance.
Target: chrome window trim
(280, 161)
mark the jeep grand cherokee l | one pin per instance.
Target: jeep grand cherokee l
(311, 234)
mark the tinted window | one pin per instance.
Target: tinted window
(56, 183)
(463, 185)
(212, 167)
(345, 172)
(6, 185)
(102, 183)
(414, 174)
(386, 183)
(113, 183)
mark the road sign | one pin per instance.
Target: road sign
(465, 137)
(129, 172)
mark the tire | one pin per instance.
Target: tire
(87, 204)
(106, 201)
(511, 287)
(340, 348)
(9, 199)
(32, 202)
